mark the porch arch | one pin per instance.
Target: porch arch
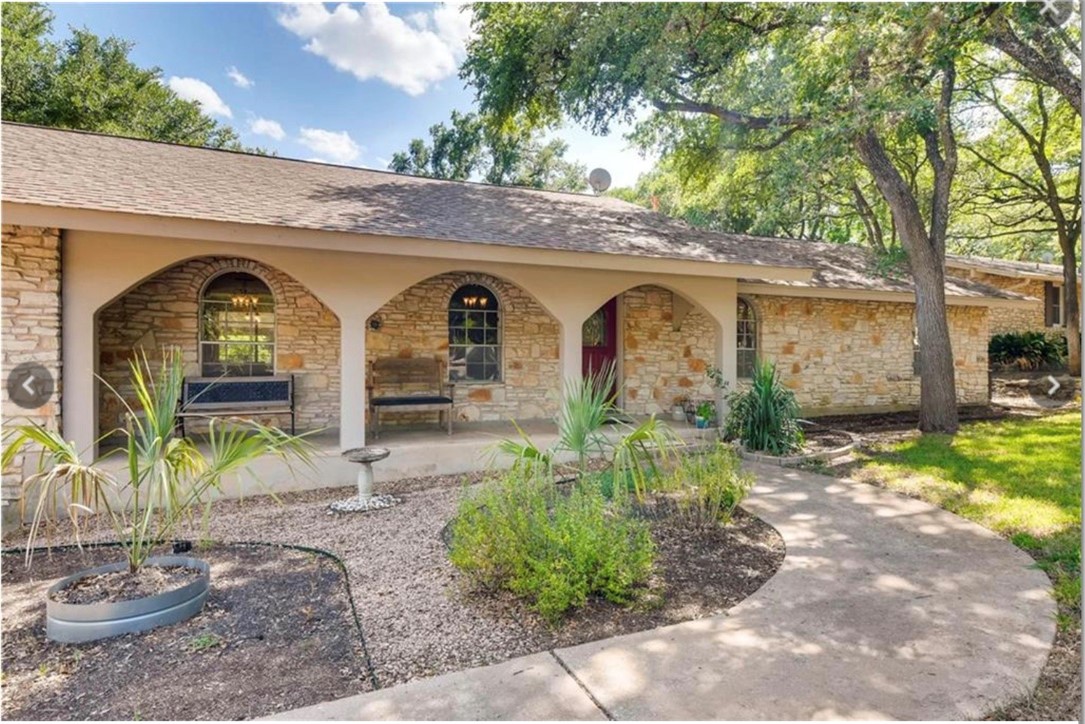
(415, 323)
(162, 312)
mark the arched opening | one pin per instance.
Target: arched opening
(225, 315)
(237, 326)
(498, 344)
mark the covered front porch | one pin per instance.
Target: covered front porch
(325, 315)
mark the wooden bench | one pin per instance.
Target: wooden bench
(236, 397)
(414, 384)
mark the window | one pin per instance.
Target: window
(1052, 305)
(474, 335)
(747, 339)
(237, 327)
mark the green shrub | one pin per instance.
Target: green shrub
(1027, 350)
(766, 416)
(707, 488)
(520, 533)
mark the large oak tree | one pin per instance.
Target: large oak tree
(858, 77)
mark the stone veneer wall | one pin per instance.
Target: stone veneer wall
(1016, 319)
(162, 312)
(843, 356)
(415, 324)
(30, 281)
(661, 364)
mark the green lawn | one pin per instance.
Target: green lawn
(1018, 477)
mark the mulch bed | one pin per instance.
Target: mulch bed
(419, 616)
(904, 420)
(276, 634)
(819, 439)
(116, 586)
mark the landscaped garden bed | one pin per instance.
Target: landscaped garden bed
(251, 654)
(276, 633)
(640, 532)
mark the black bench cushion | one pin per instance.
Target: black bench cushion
(238, 391)
(411, 400)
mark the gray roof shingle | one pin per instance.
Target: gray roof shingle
(80, 170)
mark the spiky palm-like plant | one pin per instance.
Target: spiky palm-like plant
(168, 477)
(587, 405)
(766, 416)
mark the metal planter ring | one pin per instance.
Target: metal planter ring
(72, 623)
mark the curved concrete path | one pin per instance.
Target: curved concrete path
(885, 607)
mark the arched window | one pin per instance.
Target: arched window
(237, 327)
(474, 335)
(746, 342)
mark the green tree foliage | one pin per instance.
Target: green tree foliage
(88, 83)
(507, 155)
(858, 81)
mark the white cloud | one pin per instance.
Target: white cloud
(239, 78)
(333, 146)
(267, 127)
(192, 89)
(410, 53)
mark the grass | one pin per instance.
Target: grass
(1019, 477)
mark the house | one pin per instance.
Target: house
(256, 265)
(1042, 283)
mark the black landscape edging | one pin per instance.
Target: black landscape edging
(21, 550)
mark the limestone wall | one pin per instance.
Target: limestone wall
(845, 356)
(30, 281)
(1016, 319)
(162, 312)
(663, 361)
(415, 324)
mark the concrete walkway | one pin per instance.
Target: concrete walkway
(885, 607)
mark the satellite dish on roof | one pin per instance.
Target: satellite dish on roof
(599, 180)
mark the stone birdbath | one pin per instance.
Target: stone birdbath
(365, 500)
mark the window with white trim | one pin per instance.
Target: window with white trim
(237, 327)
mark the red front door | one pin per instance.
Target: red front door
(600, 339)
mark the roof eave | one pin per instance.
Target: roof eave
(120, 222)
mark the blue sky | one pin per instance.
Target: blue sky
(344, 83)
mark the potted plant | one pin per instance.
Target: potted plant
(167, 479)
(706, 413)
(678, 412)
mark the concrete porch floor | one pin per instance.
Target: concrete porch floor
(416, 451)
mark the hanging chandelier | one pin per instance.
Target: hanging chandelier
(244, 301)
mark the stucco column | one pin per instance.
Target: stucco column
(724, 308)
(352, 400)
(572, 347)
(79, 388)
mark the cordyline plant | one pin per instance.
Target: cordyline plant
(587, 406)
(168, 477)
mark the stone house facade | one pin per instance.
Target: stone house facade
(1040, 282)
(271, 266)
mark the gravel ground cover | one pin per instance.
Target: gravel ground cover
(419, 616)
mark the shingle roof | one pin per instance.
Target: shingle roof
(79, 170)
(845, 266)
(1007, 267)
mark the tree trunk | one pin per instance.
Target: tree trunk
(1072, 311)
(937, 391)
